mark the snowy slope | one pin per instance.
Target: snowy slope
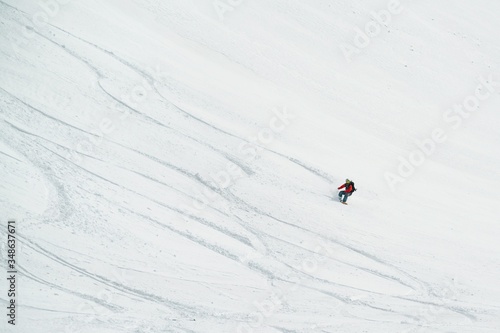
(173, 165)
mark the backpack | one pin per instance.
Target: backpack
(353, 188)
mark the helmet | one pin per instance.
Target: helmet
(347, 181)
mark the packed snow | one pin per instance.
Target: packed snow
(172, 166)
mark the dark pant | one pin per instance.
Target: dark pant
(344, 194)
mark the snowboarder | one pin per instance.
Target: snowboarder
(349, 189)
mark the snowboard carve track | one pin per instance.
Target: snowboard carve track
(132, 194)
(113, 284)
(90, 298)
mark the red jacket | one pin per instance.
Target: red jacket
(348, 188)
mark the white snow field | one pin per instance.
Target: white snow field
(172, 166)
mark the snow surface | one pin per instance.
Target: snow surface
(156, 189)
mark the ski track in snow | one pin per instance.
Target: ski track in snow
(129, 205)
